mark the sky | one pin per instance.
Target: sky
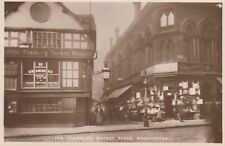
(108, 16)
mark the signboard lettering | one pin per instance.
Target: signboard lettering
(46, 53)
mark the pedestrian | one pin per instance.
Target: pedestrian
(180, 109)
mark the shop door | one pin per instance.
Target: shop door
(168, 106)
(81, 111)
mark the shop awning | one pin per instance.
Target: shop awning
(219, 80)
(116, 93)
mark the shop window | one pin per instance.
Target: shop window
(74, 41)
(70, 74)
(41, 105)
(167, 19)
(40, 74)
(46, 39)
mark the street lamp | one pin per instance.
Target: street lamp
(106, 72)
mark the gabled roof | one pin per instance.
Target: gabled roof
(86, 21)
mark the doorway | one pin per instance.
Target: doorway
(168, 106)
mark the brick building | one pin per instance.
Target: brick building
(177, 49)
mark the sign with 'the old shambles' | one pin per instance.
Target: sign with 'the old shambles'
(47, 53)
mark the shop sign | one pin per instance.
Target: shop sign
(199, 101)
(192, 91)
(165, 88)
(161, 68)
(138, 95)
(46, 53)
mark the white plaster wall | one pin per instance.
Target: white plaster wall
(58, 19)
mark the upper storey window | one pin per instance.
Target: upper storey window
(13, 38)
(75, 41)
(167, 19)
(43, 39)
(46, 39)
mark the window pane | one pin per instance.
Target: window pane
(69, 82)
(75, 83)
(22, 37)
(14, 34)
(53, 67)
(68, 36)
(64, 65)
(75, 65)
(163, 20)
(14, 43)
(171, 19)
(84, 45)
(64, 82)
(76, 37)
(64, 74)
(69, 65)
(68, 44)
(75, 74)
(76, 45)
(28, 67)
(28, 81)
(69, 74)
(53, 80)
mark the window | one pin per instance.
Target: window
(171, 18)
(48, 105)
(13, 38)
(206, 51)
(40, 74)
(167, 19)
(75, 41)
(163, 20)
(46, 39)
(70, 74)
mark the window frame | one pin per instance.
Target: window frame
(34, 77)
(66, 78)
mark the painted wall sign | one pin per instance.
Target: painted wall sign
(46, 53)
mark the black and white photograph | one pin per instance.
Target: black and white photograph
(112, 72)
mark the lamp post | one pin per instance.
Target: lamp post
(106, 72)
(146, 122)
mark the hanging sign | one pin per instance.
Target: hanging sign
(138, 95)
(192, 91)
(165, 88)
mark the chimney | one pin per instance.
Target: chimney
(137, 7)
(110, 42)
(117, 33)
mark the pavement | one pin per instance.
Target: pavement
(47, 131)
